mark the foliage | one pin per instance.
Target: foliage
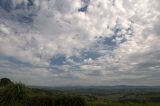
(67, 100)
(40, 100)
(19, 95)
(5, 81)
(13, 94)
(119, 104)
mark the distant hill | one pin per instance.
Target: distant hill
(103, 89)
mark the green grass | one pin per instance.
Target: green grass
(96, 103)
(14, 94)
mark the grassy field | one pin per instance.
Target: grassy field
(126, 99)
(96, 103)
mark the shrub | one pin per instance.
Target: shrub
(155, 99)
(5, 81)
(70, 101)
(40, 100)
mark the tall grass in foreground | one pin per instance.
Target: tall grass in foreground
(13, 95)
(19, 95)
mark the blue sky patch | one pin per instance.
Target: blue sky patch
(59, 59)
(85, 55)
(15, 61)
(6, 5)
(84, 8)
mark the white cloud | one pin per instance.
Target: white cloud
(59, 28)
(67, 6)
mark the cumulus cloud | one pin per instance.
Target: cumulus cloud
(91, 41)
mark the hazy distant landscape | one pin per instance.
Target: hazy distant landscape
(113, 95)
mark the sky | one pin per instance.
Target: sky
(80, 42)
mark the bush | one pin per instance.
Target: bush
(155, 99)
(40, 100)
(70, 101)
(5, 81)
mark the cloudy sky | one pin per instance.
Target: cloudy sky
(80, 42)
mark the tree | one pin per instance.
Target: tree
(5, 81)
